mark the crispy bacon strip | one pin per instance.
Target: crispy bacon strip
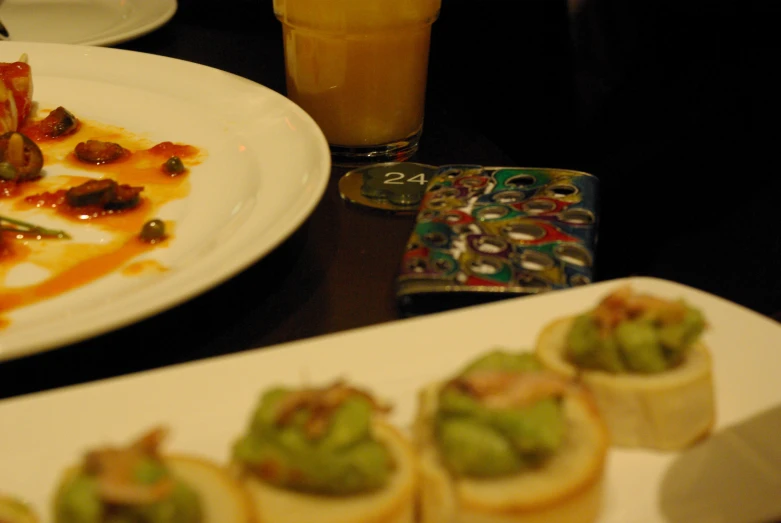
(502, 389)
(321, 403)
(114, 469)
(624, 304)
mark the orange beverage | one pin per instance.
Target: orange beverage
(359, 67)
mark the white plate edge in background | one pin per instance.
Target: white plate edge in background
(146, 16)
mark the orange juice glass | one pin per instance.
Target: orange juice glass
(359, 68)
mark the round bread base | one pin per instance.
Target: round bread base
(665, 411)
(395, 503)
(566, 489)
(223, 499)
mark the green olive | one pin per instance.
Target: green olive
(8, 171)
(153, 231)
(173, 166)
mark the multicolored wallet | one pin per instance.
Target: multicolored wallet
(486, 233)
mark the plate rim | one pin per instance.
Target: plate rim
(125, 33)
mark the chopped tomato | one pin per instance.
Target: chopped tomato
(16, 94)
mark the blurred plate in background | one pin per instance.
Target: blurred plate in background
(87, 22)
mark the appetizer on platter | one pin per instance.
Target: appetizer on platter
(642, 358)
(14, 511)
(506, 441)
(325, 455)
(138, 484)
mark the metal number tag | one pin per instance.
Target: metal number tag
(395, 187)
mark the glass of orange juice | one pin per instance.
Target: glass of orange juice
(359, 68)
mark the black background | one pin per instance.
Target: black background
(670, 103)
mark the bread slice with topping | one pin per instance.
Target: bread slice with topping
(137, 483)
(394, 503)
(326, 455)
(561, 483)
(643, 358)
(668, 410)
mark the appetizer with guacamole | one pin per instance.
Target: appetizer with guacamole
(325, 455)
(643, 358)
(505, 441)
(136, 484)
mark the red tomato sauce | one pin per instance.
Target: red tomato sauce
(76, 264)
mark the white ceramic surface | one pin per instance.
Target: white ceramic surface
(732, 477)
(87, 22)
(267, 168)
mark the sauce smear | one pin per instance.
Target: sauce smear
(72, 263)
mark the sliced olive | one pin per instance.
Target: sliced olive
(8, 171)
(23, 153)
(173, 166)
(153, 231)
(126, 197)
(93, 192)
(59, 122)
(97, 152)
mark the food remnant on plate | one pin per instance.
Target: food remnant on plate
(22, 158)
(630, 332)
(173, 166)
(8, 172)
(121, 189)
(98, 152)
(22, 229)
(144, 266)
(16, 94)
(105, 193)
(153, 231)
(60, 122)
(92, 198)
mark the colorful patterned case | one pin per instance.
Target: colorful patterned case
(485, 233)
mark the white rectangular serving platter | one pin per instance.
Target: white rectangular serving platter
(732, 477)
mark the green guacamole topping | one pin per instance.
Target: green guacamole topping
(317, 441)
(477, 439)
(634, 334)
(78, 501)
(126, 486)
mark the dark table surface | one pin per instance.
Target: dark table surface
(663, 101)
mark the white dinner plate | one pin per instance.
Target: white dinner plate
(87, 22)
(731, 477)
(267, 167)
